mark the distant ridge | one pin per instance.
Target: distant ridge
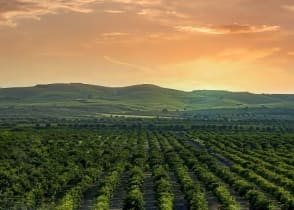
(144, 97)
(146, 85)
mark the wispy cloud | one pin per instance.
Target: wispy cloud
(139, 2)
(114, 11)
(228, 29)
(288, 7)
(13, 10)
(130, 65)
(248, 54)
(291, 53)
(151, 12)
(114, 34)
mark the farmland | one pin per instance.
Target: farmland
(122, 163)
(146, 105)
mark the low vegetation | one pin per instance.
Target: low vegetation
(51, 164)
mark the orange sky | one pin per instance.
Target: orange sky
(239, 45)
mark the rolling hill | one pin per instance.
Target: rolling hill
(76, 97)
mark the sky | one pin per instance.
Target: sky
(237, 45)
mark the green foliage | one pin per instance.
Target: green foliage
(161, 179)
(134, 200)
(52, 168)
(192, 190)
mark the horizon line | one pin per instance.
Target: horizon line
(141, 84)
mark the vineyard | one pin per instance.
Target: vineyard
(146, 167)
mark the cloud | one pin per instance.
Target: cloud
(13, 10)
(227, 29)
(291, 53)
(139, 2)
(247, 54)
(114, 11)
(161, 13)
(114, 34)
(288, 7)
(131, 65)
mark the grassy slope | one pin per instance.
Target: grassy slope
(139, 97)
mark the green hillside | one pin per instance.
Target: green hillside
(77, 97)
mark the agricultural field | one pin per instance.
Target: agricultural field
(118, 165)
(146, 105)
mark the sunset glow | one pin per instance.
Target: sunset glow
(238, 45)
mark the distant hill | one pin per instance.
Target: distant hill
(146, 97)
